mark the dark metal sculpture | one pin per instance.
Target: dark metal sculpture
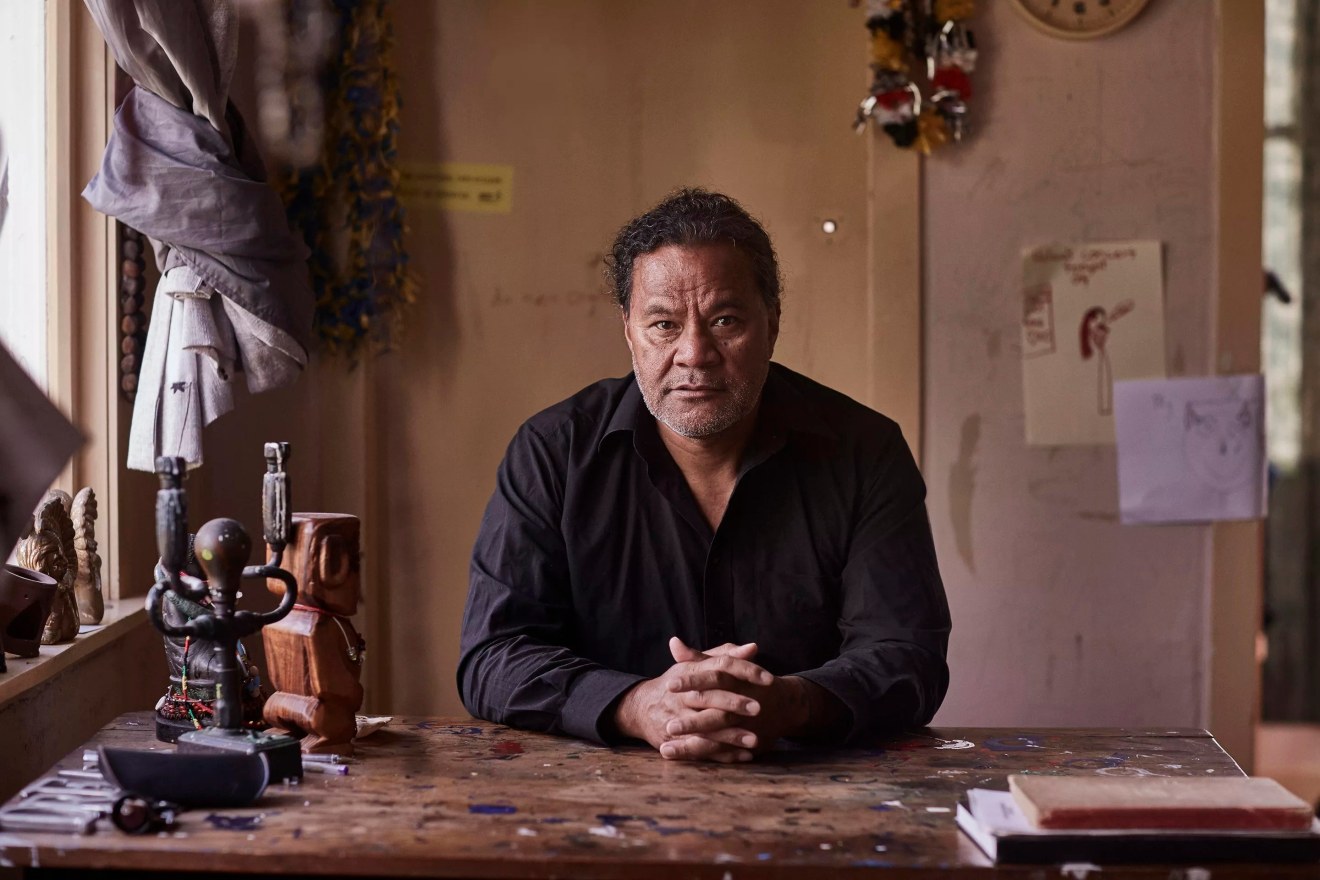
(190, 696)
(221, 550)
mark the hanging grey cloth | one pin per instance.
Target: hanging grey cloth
(181, 168)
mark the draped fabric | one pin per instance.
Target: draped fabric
(181, 168)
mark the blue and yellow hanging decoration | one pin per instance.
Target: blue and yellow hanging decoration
(346, 205)
(926, 35)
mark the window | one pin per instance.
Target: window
(23, 184)
(57, 304)
(1291, 681)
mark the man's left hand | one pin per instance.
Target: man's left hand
(785, 705)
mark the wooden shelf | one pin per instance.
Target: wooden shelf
(26, 673)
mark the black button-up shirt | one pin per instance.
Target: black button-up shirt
(593, 553)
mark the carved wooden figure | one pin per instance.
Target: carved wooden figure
(49, 550)
(87, 578)
(314, 655)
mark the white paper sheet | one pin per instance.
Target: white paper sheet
(1092, 313)
(1191, 450)
(35, 442)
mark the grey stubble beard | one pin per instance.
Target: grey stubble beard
(743, 397)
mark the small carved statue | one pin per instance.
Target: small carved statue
(314, 655)
(87, 579)
(49, 550)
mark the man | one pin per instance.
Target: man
(714, 552)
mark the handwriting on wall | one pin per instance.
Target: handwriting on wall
(591, 299)
(1085, 262)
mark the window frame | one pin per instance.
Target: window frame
(82, 271)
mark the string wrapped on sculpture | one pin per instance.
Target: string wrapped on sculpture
(180, 167)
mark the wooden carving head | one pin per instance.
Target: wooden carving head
(323, 555)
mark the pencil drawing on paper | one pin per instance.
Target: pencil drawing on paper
(1191, 450)
(1219, 442)
(1094, 334)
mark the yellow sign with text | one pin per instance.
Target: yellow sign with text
(457, 186)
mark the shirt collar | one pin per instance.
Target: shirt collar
(784, 409)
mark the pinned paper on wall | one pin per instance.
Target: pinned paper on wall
(1191, 450)
(1092, 313)
(457, 186)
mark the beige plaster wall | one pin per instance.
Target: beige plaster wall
(1062, 615)
(601, 108)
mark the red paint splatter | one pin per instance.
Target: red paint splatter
(507, 747)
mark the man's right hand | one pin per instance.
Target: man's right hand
(646, 710)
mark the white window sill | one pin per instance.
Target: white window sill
(26, 673)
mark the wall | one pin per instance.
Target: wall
(600, 119)
(1062, 615)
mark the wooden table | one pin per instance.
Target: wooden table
(459, 798)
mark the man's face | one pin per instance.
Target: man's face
(701, 337)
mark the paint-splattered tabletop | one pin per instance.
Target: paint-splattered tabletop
(434, 797)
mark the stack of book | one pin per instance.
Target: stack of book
(1108, 820)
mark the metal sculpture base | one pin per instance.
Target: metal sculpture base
(283, 753)
(169, 731)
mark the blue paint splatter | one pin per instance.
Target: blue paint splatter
(763, 857)
(553, 821)
(619, 819)
(872, 863)
(459, 730)
(492, 809)
(234, 823)
(1012, 743)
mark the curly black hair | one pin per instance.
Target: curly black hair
(693, 216)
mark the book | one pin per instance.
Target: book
(1185, 802)
(994, 822)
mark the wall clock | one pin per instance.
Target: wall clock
(1079, 19)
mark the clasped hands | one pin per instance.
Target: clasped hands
(715, 705)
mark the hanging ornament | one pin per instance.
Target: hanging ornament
(346, 204)
(930, 37)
